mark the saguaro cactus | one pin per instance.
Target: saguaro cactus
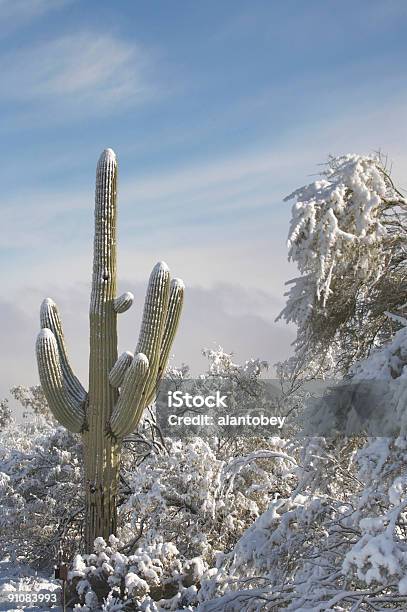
(119, 387)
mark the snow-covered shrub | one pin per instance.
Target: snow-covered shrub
(152, 578)
(371, 400)
(200, 502)
(193, 497)
(41, 491)
(279, 558)
(33, 402)
(5, 414)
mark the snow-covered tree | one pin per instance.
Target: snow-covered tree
(348, 237)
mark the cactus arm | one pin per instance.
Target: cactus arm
(171, 325)
(68, 412)
(123, 302)
(51, 319)
(154, 315)
(130, 405)
(118, 371)
(175, 305)
(124, 417)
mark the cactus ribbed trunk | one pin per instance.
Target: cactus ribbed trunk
(101, 452)
(119, 387)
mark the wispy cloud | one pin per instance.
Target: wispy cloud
(17, 13)
(81, 73)
(195, 197)
(30, 218)
(235, 191)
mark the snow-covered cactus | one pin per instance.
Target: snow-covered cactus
(119, 387)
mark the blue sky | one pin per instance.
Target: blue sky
(216, 110)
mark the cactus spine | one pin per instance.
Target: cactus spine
(119, 387)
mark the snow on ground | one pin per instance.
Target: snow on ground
(22, 578)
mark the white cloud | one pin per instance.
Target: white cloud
(86, 72)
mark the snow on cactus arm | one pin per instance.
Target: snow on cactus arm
(123, 302)
(141, 378)
(172, 320)
(117, 373)
(155, 313)
(68, 412)
(50, 318)
(175, 304)
(125, 416)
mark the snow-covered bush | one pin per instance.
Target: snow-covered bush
(372, 398)
(200, 502)
(202, 494)
(33, 402)
(191, 504)
(41, 491)
(152, 578)
(5, 414)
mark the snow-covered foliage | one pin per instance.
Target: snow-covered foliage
(40, 482)
(348, 238)
(196, 497)
(340, 212)
(33, 402)
(311, 524)
(151, 578)
(371, 400)
(202, 498)
(201, 505)
(338, 540)
(5, 413)
(253, 524)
